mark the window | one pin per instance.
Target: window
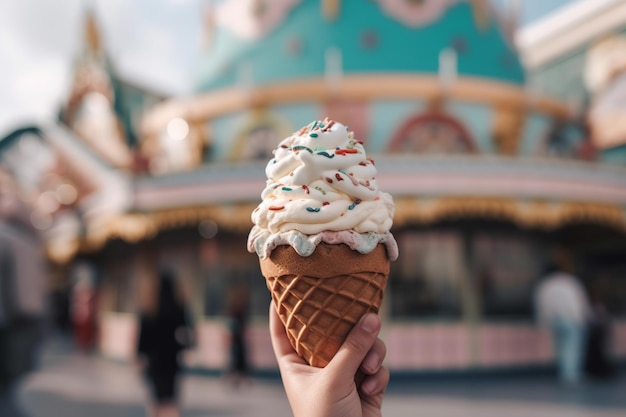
(425, 279)
(507, 268)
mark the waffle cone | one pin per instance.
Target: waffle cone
(319, 298)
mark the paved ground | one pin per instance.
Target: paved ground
(70, 385)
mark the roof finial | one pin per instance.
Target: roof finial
(448, 69)
(334, 68)
(330, 9)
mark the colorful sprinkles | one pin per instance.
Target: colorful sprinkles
(316, 126)
(328, 123)
(353, 205)
(314, 129)
(302, 147)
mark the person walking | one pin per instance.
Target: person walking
(23, 275)
(164, 333)
(562, 306)
(238, 369)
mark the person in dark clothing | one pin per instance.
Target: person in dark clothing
(598, 361)
(23, 275)
(238, 313)
(164, 332)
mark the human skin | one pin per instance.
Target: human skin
(332, 391)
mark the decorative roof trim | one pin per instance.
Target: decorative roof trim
(364, 87)
(568, 28)
(538, 214)
(407, 175)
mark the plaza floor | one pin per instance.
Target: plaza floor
(74, 385)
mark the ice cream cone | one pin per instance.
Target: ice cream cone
(319, 298)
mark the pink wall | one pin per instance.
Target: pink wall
(415, 346)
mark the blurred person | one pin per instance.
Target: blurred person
(238, 369)
(562, 306)
(598, 361)
(83, 309)
(22, 294)
(332, 391)
(165, 331)
(60, 309)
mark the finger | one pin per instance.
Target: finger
(357, 345)
(280, 343)
(374, 358)
(376, 383)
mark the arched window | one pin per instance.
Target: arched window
(432, 133)
(259, 136)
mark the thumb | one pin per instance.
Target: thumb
(360, 340)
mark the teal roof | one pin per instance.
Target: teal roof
(483, 52)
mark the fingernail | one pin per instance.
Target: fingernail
(370, 323)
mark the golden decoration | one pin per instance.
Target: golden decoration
(62, 252)
(531, 214)
(92, 34)
(330, 9)
(507, 129)
(354, 87)
(482, 12)
(134, 227)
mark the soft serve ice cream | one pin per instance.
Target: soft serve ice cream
(322, 236)
(321, 187)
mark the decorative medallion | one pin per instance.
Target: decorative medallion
(294, 46)
(252, 19)
(459, 44)
(370, 39)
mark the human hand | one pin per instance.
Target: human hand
(332, 391)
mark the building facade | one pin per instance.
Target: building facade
(496, 158)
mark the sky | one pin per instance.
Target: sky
(40, 39)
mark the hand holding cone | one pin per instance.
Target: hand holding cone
(320, 298)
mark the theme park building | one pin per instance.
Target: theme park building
(499, 154)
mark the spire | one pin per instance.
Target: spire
(93, 43)
(334, 68)
(448, 70)
(330, 9)
(482, 12)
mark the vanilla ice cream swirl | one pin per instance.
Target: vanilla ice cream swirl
(321, 180)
